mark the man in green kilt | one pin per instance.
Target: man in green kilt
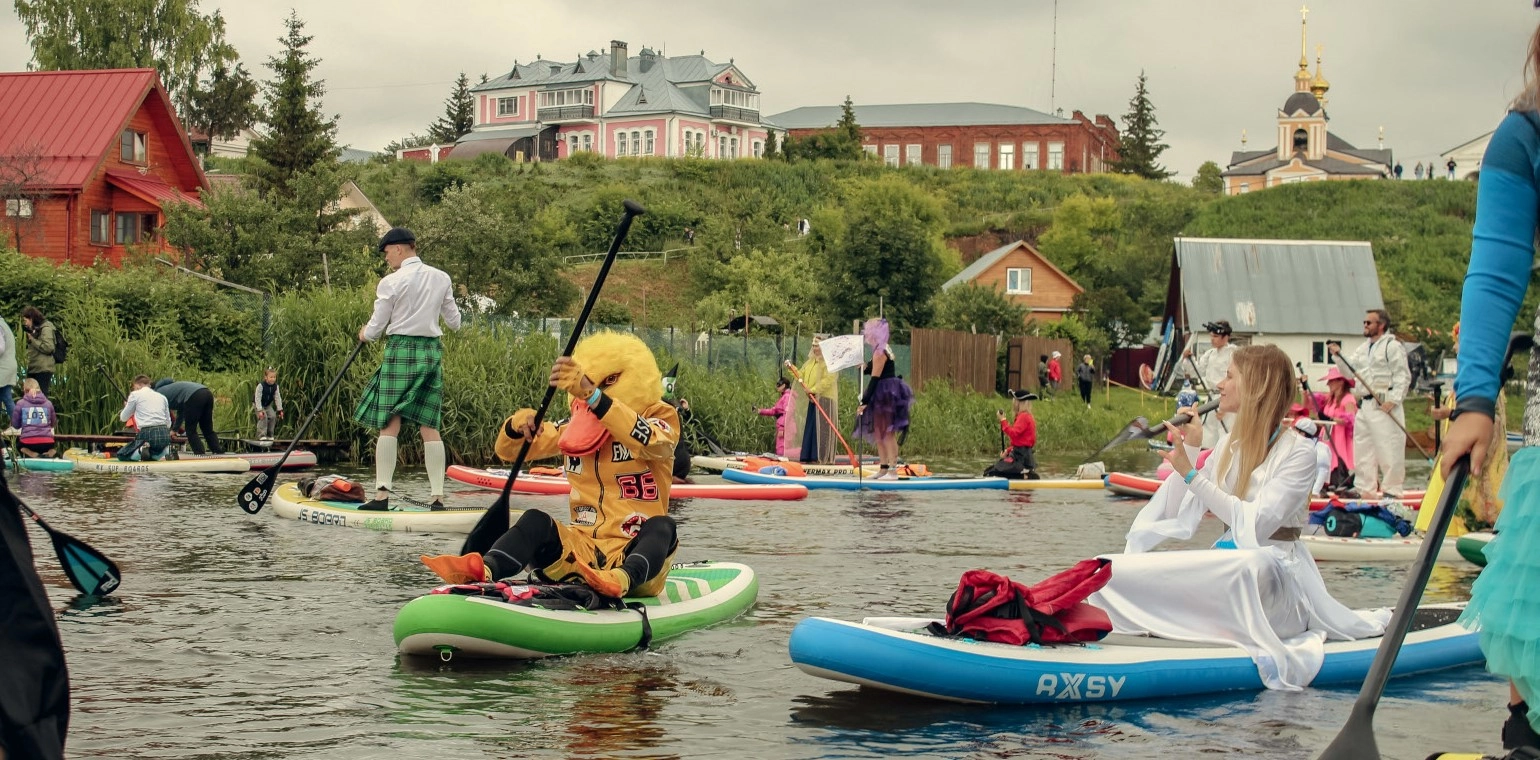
(409, 384)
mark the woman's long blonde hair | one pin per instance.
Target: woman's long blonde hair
(1269, 385)
(1529, 98)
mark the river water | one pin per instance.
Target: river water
(240, 636)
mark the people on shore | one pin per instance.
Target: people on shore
(40, 343)
(34, 420)
(1266, 596)
(408, 305)
(781, 411)
(1212, 366)
(1042, 373)
(1085, 376)
(1379, 429)
(1019, 459)
(822, 393)
(1502, 253)
(619, 450)
(192, 407)
(268, 402)
(151, 414)
(885, 405)
(1055, 371)
(8, 374)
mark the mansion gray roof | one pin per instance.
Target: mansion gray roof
(917, 115)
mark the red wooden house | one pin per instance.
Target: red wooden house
(1026, 277)
(89, 163)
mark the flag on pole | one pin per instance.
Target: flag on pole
(842, 352)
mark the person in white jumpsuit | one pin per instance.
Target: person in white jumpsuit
(1379, 431)
(1212, 366)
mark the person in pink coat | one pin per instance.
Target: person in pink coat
(1340, 407)
(782, 414)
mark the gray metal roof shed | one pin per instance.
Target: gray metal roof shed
(1316, 287)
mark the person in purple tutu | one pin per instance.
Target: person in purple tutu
(884, 409)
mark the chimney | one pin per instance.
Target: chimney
(649, 59)
(617, 58)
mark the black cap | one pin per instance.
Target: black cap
(1023, 395)
(396, 235)
(1217, 327)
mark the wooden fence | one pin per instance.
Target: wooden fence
(963, 359)
(1021, 357)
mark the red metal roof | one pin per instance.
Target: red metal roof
(150, 189)
(69, 118)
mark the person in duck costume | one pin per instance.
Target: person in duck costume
(618, 448)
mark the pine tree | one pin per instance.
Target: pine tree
(299, 137)
(225, 104)
(1139, 147)
(772, 150)
(459, 113)
(846, 127)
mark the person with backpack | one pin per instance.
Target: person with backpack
(42, 348)
(1266, 595)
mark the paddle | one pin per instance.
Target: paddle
(494, 523)
(1141, 429)
(1438, 426)
(1378, 402)
(89, 571)
(254, 495)
(1204, 386)
(1356, 739)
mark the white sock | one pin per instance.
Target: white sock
(384, 462)
(433, 457)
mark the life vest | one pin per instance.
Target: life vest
(991, 607)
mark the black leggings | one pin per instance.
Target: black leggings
(198, 413)
(1085, 391)
(534, 541)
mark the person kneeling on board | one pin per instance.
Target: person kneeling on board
(1018, 461)
(619, 451)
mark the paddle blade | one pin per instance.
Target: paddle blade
(1356, 739)
(254, 495)
(489, 528)
(89, 571)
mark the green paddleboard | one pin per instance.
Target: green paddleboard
(452, 625)
(1473, 546)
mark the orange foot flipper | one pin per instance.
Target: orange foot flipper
(457, 568)
(614, 583)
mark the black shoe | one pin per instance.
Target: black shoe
(437, 506)
(375, 505)
(1517, 733)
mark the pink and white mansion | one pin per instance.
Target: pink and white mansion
(614, 105)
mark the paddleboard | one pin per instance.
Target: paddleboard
(1473, 546)
(557, 485)
(870, 484)
(896, 654)
(751, 462)
(85, 461)
(1054, 483)
(43, 464)
(288, 503)
(1141, 487)
(261, 460)
(1399, 549)
(452, 625)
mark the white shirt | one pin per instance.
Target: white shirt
(1214, 364)
(1382, 364)
(411, 300)
(147, 408)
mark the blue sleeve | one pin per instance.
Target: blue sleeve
(1502, 252)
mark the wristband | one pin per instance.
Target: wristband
(1193, 473)
(593, 398)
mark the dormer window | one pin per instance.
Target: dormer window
(131, 147)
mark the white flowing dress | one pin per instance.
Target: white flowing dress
(1264, 596)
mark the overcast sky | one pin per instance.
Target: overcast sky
(1433, 73)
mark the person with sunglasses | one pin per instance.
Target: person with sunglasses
(1379, 430)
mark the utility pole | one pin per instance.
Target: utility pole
(1053, 66)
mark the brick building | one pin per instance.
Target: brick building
(89, 161)
(1025, 277)
(981, 135)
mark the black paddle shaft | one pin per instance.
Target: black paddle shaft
(494, 523)
(254, 495)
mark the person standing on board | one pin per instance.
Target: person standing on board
(409, 384)
(1379, 437)
(1502, 253)
(1212, 366)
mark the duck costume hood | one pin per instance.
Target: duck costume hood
(623, 367)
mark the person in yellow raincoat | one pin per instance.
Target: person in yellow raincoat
(1480, 503)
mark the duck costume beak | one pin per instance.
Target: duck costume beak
(584, 433)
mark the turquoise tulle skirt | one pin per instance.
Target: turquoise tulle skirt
(1505, 600)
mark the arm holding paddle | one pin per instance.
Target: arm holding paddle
(519, 426)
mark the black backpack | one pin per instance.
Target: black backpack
(61, 346)
(1340, 522)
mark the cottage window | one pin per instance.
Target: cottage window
(1018, 281)
(651, 144)
(20, 208)
(135, 228)
(572, 145)
(1029, 156)
(1055, 156)
(131, 146)
(981, 155)
(890, 155)
(620, 143)
(101, 227)
(912, 153)
(588, 142)
(944, 156)
(636, 143)
(871, 149)
(759, 148)
(732, 147)
(507, 106)
(1007, 156)
(721, 146)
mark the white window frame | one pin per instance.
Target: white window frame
(944, 156)
(572, 145)
(21, 208)
(620, 143)
(508, 106)
(652, 143)
(1007, 160)
(1029, 156)
(890, 155)
(871, 149)
(759, 148)
(636, 142)
(981, 150)
(588, 142)
(732, 147)
(914, 154)
(1013, 281)
(1055, 156)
